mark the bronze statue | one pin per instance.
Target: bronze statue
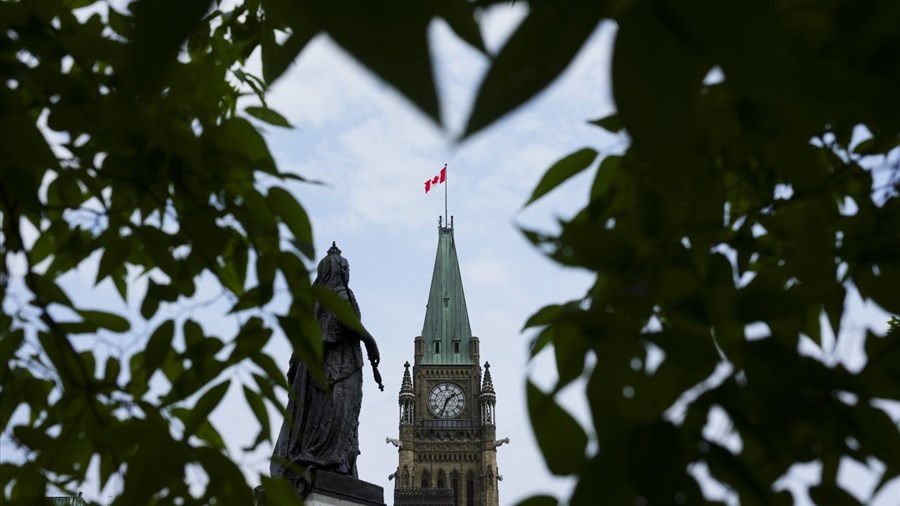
(320, 429)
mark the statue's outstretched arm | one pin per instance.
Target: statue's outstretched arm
(371, 351)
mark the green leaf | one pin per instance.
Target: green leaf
(881, 288)
(611, 123)
(158, 35)
(120, 281)
(114, 256)
(268, 115)
(108, 465)
(26, 155)
(205, 432)
(208, 433)
(532, 59)
(339, 306)
(249, 299)
(297, 277)
(120, 23)
(232, 484)
(259, 410)
(158, 346)
(78, 327)
(832, 495)
(542, 340)
(47, 290)
(205, 405)
(649, 49)
(252, 337)
(30, 483)
(274, 374)
(43, 247)
(461, 17)
(193, 333)
(238, 136)
(561, 439)
(401, 56)
(539, 500)
(562, 171)
(764, 299)
(545, 316)
(158, 246)
(294, 216)
(111, 370)
(277, 57)
(229, 278)
(151, 302)
(306, 340)
(570, 347)
(265, 387)
(279, 492)
(105, 320)
(10, 342)
(65, 190)
(266, 266)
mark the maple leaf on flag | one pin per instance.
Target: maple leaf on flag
(438, 179)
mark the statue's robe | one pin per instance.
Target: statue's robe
(320, 429)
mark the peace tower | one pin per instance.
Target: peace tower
(447, 445)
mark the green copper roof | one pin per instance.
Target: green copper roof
(446, 317)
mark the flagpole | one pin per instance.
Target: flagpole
(446, 183)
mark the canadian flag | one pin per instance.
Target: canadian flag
(436, 180)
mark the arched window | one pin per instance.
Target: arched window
(441, 479)
(437, 347)
(426, 479)
(454, 484)
(470, 490)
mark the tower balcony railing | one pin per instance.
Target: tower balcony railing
(424, 497)
(448, 424)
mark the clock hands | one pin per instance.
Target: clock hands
(445, 403)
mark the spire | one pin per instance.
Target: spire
(446, 332)
(488, 397)
(407, 398)
(406, 387)
(487, 386)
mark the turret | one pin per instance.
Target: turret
(488, 397)
(406, 445)
(407, 398)
(489, 472)
(419, 349)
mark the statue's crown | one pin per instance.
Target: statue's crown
(334, 250)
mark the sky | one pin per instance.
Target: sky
(373, 151)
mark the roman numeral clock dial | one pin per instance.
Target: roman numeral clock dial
(446, 400)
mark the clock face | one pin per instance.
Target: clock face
(446, 400)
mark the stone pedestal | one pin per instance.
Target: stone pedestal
(333, 489)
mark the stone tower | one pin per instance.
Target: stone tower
(447, 446)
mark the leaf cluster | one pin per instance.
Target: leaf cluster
(123, 148)
(741, 203)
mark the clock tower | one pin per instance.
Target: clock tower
(447, 447)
